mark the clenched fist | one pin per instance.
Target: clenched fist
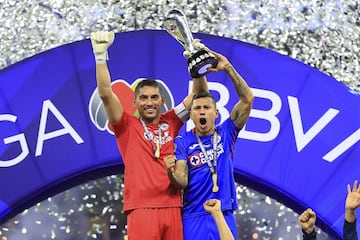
(100, 42)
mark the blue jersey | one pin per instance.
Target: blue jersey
(200, 183)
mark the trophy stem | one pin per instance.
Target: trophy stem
(200, 60)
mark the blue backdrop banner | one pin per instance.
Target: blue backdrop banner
(300, 145)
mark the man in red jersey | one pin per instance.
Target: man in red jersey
(151, 202)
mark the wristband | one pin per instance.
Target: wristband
(101, 57)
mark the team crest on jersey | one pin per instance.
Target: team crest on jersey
(195, 160)
(148, 136)
(164, 126)
(218, 138)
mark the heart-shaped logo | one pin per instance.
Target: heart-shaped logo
(125, 94)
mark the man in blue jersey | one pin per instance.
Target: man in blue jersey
(203, 163)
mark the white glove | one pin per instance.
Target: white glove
(197, 44)
(100, 42)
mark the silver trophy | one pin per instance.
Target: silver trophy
(200, 60)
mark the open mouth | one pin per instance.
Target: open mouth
(202, 121)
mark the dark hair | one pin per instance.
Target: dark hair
(204, 95)
(148, 82)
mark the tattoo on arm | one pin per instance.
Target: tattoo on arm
(241, 110)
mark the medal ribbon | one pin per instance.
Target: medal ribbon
(156, 150)
(212, 166)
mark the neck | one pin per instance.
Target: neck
(150, 120)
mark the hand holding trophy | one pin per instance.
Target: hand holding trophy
(198, 58)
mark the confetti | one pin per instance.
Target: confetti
(323, 34)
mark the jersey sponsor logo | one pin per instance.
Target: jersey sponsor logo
(192, 147)
(165, 135)
(199, 157)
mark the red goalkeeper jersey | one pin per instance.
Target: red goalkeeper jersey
(147, 184)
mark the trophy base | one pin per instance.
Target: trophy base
(199, 62)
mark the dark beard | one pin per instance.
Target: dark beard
(147, 119)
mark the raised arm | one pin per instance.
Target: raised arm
(199, 84)
(241, 111)
(213, 206)
(351, 204)
(101, 41)
(307, 221)
(352, 201)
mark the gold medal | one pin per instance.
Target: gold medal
(157, 151)
(215, 186)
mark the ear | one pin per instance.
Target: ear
(134, 101)
(217, 112)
